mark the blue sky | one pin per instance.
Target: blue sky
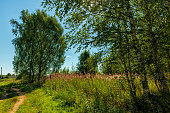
(10, 9)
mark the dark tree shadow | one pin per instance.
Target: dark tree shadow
(7, 92)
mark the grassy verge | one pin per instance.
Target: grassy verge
(40, 102)
(91, 95)
(7, 105)
(81, 95)
(5, 82)
(77, 94)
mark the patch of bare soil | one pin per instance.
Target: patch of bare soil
(19, 102)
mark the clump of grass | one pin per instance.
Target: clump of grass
(11, 93)
(87, 94)
(79, 93)
(102, 93)
(7, 104)
(5, 82)
(1, 92)
(39, 101)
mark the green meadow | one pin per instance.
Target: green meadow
(86, 56)
(79, 94)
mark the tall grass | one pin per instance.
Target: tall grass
(86, 93)
(63, 93)
(91, 94)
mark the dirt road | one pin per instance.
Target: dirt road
(19, 102)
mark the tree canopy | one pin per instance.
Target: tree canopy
(136, 31)
(39, 44)
(82, 65)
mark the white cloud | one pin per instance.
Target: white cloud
(67, 66)
(68, 56)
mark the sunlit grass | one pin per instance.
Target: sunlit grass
(7, 104)
(97, 94)
(85, 94)
(88, 94)
(39, 101)
(6, 81)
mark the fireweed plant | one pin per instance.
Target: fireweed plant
(88, 93)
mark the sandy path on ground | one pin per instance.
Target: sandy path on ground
(19, 102)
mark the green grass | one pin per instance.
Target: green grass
(104, 95)
(1, 92)
(71, 93)
(7, 104)
(89, 95)
(11, 93)
(39, 101)
(5, 82)
(6, 85)
(73, 98)
(67, 94)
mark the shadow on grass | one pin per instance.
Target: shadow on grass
(154, 103)
(7, 92)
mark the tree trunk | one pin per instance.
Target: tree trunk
(160, 75)
(29, 79)
(138, 52)
(33, 75)
(40, 66)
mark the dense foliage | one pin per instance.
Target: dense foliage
(39, 45)
(88, 63)
(82, 66)
(135, 31)
(111, 64)
(132, 38)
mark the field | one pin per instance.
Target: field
(79, 94)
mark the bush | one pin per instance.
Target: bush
(18, 76)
